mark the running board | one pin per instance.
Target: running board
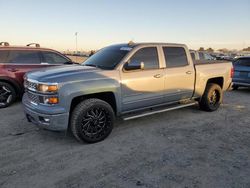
(134, 116)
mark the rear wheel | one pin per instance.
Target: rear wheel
(92, 120)
(7, 95)
(235, 87)
(211, 98)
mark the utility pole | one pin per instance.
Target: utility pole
(76, 46)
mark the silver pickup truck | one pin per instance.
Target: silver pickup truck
(126, 80)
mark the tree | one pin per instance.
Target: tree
(224, 50)
(246, 49)
(210, 50)
(92, 52)
(201, 49)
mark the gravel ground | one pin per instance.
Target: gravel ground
(182, 148)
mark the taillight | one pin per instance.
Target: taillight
(232, 72)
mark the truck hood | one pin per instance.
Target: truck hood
(62, 74)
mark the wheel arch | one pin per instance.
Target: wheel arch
(108, 97)
(216, 80)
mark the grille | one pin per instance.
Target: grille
(31, 85)
(33, 98)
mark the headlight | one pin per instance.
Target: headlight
(45, 88)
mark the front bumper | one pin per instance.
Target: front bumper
(55, 122)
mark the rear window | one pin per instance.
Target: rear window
(24, 57)
(243, 62)
(175, 56)
(201, 56)
(3, 56)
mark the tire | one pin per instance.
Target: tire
(7, 94)
(212, 98)
(92, 120)
(235, 87)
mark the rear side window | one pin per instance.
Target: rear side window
(243, 62)
(3, 56)
(193, 56)
(24, 57)
(208, 57)
(175, 56)
(53, 58)
(148, 55)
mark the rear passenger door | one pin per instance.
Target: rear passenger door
(180, 74)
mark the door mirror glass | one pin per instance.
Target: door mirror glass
(134, 65)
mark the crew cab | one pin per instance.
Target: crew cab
(15, 61)
(125, 80)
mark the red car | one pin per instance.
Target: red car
(16, 61)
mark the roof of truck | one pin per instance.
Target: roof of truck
(131, 44)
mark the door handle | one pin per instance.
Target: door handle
(189, 72)
(158, 76)
(13, 70)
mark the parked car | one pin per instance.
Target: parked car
(198, 55)
(127, 81)
(242, 72)
(16, 61)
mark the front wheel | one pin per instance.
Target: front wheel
(92, 120)
(7, 95)
(211, 98)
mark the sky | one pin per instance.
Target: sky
(53, 23)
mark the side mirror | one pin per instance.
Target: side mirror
(133, 65)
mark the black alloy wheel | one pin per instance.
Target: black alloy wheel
(92, 120)
(7, 94)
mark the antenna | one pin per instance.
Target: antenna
(36, 45)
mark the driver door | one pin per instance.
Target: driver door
(142, 87)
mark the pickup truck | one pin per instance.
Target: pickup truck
(126, 81)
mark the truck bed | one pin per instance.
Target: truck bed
(206, 70)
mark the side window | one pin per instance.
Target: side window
(53, 58)
(148, 55)
(201, 56)
(24, 57)
(175, 56)
(208, 57)
(3, 56)
(193, 56)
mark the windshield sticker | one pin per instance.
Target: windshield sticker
(126, 48)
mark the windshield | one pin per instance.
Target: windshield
(107, 58)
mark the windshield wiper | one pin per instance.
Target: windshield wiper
(71, 63)
(96, 66)
(92, 65)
